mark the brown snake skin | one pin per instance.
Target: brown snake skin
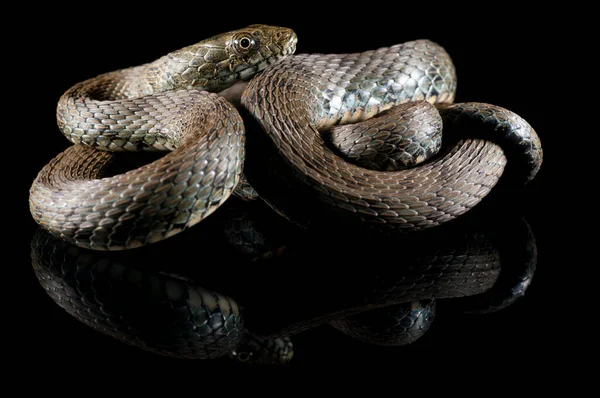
(307, 92)
(161, 106)
(158, 106)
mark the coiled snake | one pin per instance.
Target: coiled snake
(164, 106)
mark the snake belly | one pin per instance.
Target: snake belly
(296, 99)
(163, 105)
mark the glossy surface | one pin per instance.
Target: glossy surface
(155, 300)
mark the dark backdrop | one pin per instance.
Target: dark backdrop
(503, 56)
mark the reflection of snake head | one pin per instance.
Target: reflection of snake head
(259, 350)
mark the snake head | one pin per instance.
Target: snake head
(221, 61)
(253, 48)
(240, 54)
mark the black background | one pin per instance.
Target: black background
(503, 55)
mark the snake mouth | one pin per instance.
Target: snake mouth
(275, 56)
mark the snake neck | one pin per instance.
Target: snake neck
(138, 108)
(201, 67)
(204, 67)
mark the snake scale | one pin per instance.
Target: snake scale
(166, 105)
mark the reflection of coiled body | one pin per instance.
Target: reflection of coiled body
(153, 310)
(130, 296)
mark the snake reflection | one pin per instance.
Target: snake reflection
(172, 307)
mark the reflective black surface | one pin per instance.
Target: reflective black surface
(330, 296)
(247, 274)
(294, 288)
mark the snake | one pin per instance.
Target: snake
(381, 112)
(173, 307)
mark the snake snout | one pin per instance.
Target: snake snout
(286, 38)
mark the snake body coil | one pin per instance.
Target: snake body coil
(296, 98)
(160, 106)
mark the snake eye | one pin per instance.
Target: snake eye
(245, 43)
(243, 356)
